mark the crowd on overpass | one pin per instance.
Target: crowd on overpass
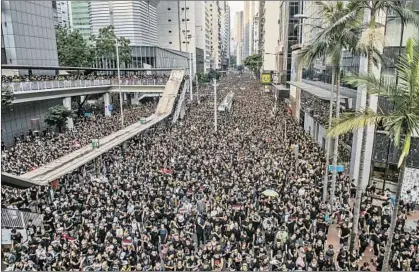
(183, 197)
(31, 78)
(32, 150)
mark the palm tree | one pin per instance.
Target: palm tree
(402, 123)
(371, 42)
(331, 44)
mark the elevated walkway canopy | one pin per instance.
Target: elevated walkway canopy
(67, 164)
(321, 93)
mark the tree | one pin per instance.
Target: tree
(373, 37)
(402, 123)
(330, 44)
(213, 74)
(57, 116)
(240, 68)
(6, 98)
(106, 50)
(254, 63)
(73, 50)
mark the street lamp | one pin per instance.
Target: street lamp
(301, 17)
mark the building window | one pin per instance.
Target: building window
(169, 20)
(169, 9)
(170, 31)
(170, 42)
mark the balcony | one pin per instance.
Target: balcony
(58, 84)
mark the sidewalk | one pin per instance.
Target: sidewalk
(333, 237)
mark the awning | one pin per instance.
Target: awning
(314, 90)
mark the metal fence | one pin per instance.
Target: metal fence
(11, 218)
(58, 84)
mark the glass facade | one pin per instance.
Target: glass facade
(28, 33)
(80, 18)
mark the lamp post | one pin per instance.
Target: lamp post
(301, 17)
(121, 101)
(215, 104)
(119, 80)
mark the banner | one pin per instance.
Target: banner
(166, 171)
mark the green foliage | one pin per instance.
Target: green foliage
(105, 46)
(205, 78)
(254, 63)
(403, 121)
(57, 116)
(73, 50)
(6, 98)
(333, 40)
(213, 74)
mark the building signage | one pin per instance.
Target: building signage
(266, 78)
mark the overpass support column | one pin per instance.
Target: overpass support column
(67, 105)
(136, 99)
(107, 99)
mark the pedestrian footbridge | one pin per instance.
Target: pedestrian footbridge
(67, 164)
(42, 90)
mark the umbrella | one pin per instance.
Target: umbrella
(270, 193)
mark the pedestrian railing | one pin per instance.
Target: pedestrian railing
(12, 218)
(57, 84)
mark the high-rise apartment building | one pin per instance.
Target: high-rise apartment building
(225, 34)
(250, 12)
(28, 33)
(270, 35)
(134, 20)
(79, 17)
(238, 36)
(61, 14)
(178, 27)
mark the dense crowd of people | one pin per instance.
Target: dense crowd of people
(319, 110)
(181, 197)
(29, 78)
(31, 151)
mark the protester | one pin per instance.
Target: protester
(30, 78)
(31, 152)
(182, 197)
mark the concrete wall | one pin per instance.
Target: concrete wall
(18, 119)
(316, 130)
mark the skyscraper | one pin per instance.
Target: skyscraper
(250, 27)
(134, 20)
(238, 36)
(28, 33)
(79, 17)
(61, 16)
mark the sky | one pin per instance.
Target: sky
(234, 7)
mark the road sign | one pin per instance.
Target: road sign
(142, 121)
(110, 107)
(266, 78)
(87, 114)
(339, 168)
